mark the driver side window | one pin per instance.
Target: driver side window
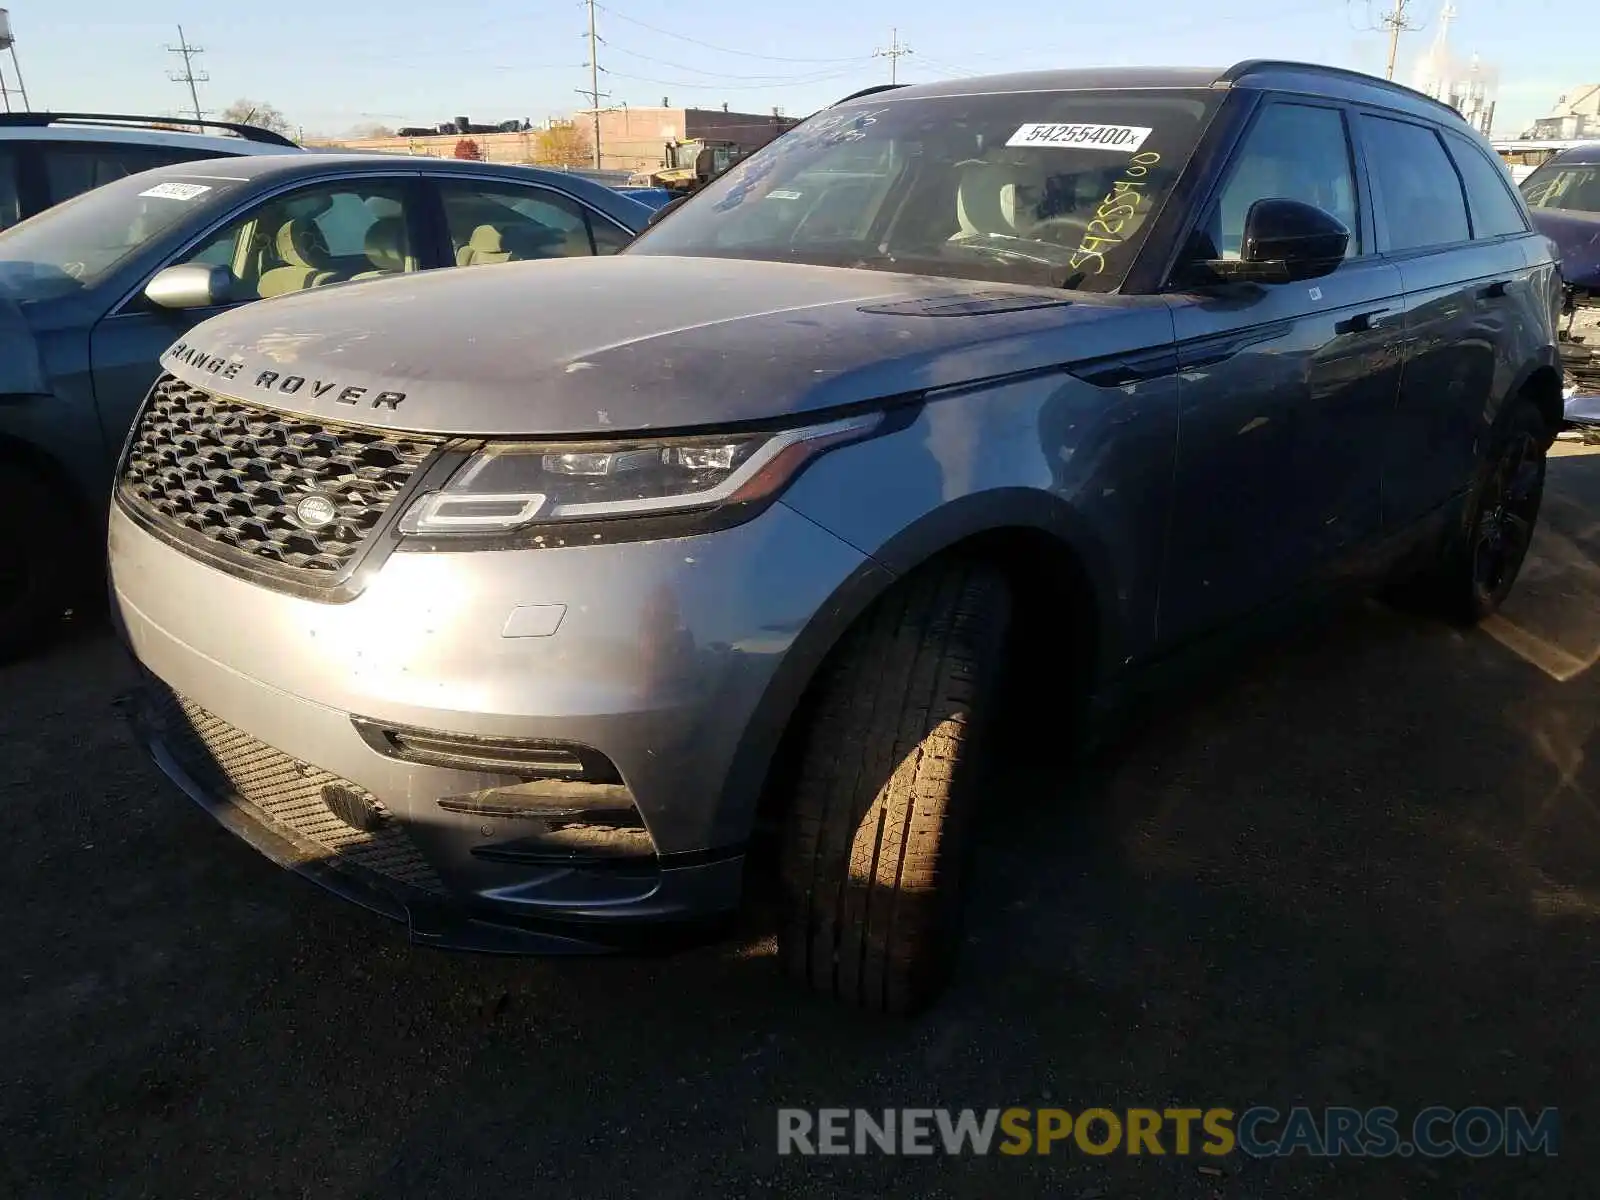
(1292, 152)
(330, 233)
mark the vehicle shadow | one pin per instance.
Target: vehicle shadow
(1361, 869)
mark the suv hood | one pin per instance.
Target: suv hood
(607, 345)
(1577, 239)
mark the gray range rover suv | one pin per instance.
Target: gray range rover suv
(515, 603)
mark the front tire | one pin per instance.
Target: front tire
(872, 857)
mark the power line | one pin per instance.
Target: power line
(719, 49)
(718, 85)
(188, 75)
(894, 54)
(799, 77)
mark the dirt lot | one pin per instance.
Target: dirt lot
(1364, 870)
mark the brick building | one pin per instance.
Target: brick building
(633, 139)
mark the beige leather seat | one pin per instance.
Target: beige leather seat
(386, 249)
(307, 261)
(986, 201)
(486, 245)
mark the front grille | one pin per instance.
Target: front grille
(233, 473)
(287, 793)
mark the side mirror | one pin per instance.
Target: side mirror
(1285, 241)
(669, 206)
(190, 285)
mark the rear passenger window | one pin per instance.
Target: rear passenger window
(10, 190)
(504, 222)
(1416, 185)
(1494, 212)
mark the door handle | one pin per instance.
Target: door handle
(1496, 290)
(1361, 322)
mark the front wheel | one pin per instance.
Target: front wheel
(873, 850)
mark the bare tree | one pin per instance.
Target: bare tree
(258, 113)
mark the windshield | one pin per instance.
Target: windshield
(75, 245)
(1574, 187)
(1025, 187)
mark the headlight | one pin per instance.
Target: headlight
(510, 486)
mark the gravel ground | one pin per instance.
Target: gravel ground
(1363, 869)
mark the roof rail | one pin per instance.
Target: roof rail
(1251, 65)
(250, 133)
(869, 91)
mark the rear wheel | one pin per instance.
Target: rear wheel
(1482, 565)
(873, 849)
(38, 553)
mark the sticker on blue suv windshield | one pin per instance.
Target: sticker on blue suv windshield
(177, 191)
(784, 194)
(1124, 139)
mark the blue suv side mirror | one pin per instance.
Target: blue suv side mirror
(1285, 241)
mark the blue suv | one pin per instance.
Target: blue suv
(518, 605)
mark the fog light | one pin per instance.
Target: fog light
(355, 809)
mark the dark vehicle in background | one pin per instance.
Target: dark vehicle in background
(94, 290)
(48, 158)
(1564, 197)
(1037, 386)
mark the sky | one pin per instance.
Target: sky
(331, 65)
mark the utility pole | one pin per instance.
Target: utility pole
(594, 92)
(188, 75)
(894, 54)
(1395, 22)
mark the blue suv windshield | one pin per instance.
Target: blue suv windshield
(1058, 188)
(75, 245)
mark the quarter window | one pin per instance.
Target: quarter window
(1292, 152)
(1494, 212)
(1416, 184)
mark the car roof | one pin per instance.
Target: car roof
(1584, 155)
(1260, 74)
(129, 130)
(138, 137)
(251, 167)
(267, 170)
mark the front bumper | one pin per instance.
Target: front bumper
(658, 657)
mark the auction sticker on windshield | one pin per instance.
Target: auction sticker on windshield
(177, 191)
(1125, 139)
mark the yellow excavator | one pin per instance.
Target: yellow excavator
(688, 166)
